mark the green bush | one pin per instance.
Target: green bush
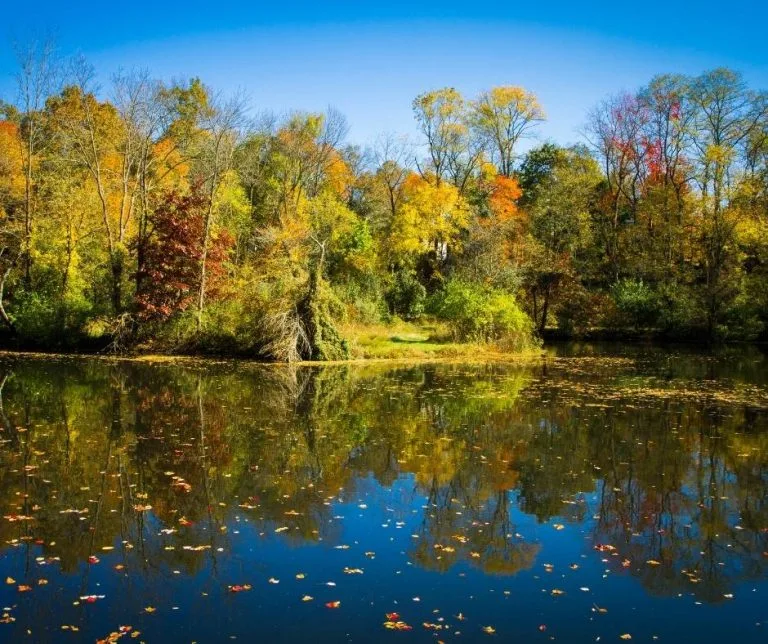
(406, 296)
(478, 314)
(680, 314)
(741, 320)
(50, 320)
(636, 302)
(362, 301)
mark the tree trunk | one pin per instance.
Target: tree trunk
(3, 315)
(544, 311)
(117, 283)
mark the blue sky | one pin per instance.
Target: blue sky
(370, 61)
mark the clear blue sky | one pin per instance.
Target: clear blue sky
(370, 62)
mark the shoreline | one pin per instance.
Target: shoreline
(169, 358)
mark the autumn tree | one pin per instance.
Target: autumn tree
(443, 119)
(37, 78)
(727, 114)
(503, 116)
(91, 135)
(562, 184)
(172, 256)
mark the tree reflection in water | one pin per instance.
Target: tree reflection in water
(668, 485)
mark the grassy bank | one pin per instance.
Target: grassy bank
(399, 341)
(416, 341)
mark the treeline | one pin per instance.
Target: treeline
(148, 214)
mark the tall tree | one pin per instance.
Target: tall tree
(727, 115)
(442, 118)
(38, 77)
(502, 116)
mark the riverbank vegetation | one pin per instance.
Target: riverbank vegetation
(154, 216)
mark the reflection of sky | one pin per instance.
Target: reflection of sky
(371, 62)
(590, 475)
(195, 605)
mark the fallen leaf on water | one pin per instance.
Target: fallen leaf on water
(90, 599)
(397, 626)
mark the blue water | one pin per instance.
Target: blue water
(575, 501)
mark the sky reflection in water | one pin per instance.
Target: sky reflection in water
(597, 494)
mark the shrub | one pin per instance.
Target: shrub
(680, 314)
(479, 314)
(406, 296)
(637, 302)
(49, 320)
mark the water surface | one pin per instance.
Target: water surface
(602, 494)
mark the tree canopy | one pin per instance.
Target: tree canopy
(149, 213)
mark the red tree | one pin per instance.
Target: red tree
(170, 272)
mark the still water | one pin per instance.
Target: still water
(601, 494)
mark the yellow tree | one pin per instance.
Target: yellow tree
(12, 192)
(90, 135)
(443, 119)
(36, 79)
(431, 218)
(501, 117)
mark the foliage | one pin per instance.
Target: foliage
(484, 315)
(406, 296)
(637, 301)
(164, 216)
(169, 273)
